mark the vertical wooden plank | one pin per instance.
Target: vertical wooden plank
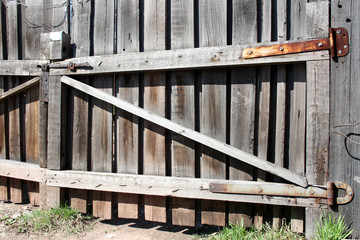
(101, 134)
(212, 27)
(280, 114)
(263, 95)
(127, 86)
(182, 109)
(79, 103)
(3, 180)
(154, 101)
(317, 109)
(14, 103)
(242, 105)
(54, 196)
(344, 156)
(33, 14)
(297, 106)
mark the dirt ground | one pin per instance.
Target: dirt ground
(115, 229)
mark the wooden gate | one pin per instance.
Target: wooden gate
(157, 103)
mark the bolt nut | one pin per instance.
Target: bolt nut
(339, 51)
(281, 49)
(350, 193)
(320, 44)
(338, 31)
(345, 46)
(250, 52)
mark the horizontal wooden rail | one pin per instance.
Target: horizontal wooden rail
(20, 88)
(21, 67)
(195, 188)
(191, 134)
(206, 57)
(21, 170)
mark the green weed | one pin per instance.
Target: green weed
(331, 228)
(60, 218)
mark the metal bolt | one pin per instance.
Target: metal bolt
(311, 192)
(340, 51)
(250, 52)
(350, 193)
(338, 31)
(260, 190)
(339, 183)
(320, 44)
(339, 201)
(212, 187)
(345, 46)
(281, 49)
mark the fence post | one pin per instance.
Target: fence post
(52, 118)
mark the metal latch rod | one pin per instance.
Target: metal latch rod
(337, 43)
(288, 190)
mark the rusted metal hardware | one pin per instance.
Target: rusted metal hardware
(337, 43)
(288, 190)
(70, 66)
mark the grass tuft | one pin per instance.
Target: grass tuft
(235, 232)
(332, 228)
(61, 218)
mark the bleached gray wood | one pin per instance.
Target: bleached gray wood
(196, 136)
(297, 102)
(127, 88)
(22, 170)
(344, 108)
(154, 100)
(21, 67)
(167, 186)
(242, 105)
(19, 88)
(281, 19)
(182, 109)
(79, 102)
(212, 32)
(263, 93)
(318, 109)
(193, 58)
(101, 125)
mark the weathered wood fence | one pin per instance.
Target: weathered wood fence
(277, 108)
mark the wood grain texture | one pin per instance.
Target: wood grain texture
(101, 126)
(242, 106)
(127, 88)
(344, 164)
(79, 102)
(317, 109)
(16, 194)
(182, 109)
(154, 101)
(280, 114)
(32, 51)
(297, 107)
(263, 95)
(212, 27)
(189, 133)
(3, 181)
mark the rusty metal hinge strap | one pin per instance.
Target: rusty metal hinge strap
(337, 43)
